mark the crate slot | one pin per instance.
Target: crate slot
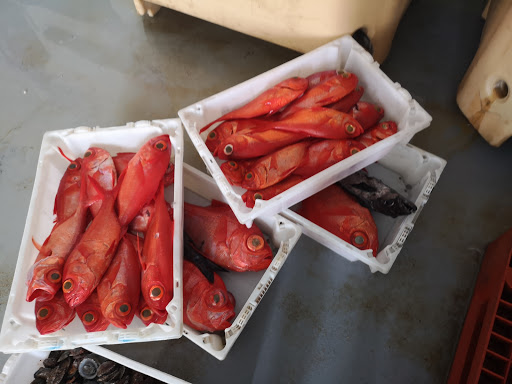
(505, 310)
(495, 364)
(502, 327)
(506, 294)
(499, 346)
(509, 375)
(488, 377)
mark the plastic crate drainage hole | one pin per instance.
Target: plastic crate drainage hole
(505, 310)
(495, 364)
(502, 328)
(499, 346)
(486, 378)
(506, 294)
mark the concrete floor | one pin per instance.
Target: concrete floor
(324, 319)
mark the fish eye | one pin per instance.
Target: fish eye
(384, 126)
(359, 239)
(346, 75)
(88, 153)
(353, 151)
(212, 135)
(228, 149)
(255, 242)
(248, 176)
(156, 292)
(74, 165)
(350, 128)
(257, 196)
(67, 286)
(378, 109)
(89, 318)
(233, 164)
(146, 313)
(216, 299)
(161, 145)
(54, 276)
(43, 313)
(123, 309)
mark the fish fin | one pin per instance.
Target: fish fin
(63, 155)
(36, 244)
(218, 203)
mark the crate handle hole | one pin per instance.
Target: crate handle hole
(501, 89)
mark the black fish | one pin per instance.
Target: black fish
(373, 194)
(194, 255)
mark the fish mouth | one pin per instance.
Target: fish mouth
(40, 293)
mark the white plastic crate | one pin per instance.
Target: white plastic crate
(20, 367)
(248, 288)
(19, 333)
(341, 54)
(410, 171)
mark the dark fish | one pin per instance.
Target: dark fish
(194, 255)
(373, 194)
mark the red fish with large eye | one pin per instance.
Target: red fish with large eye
(157, 257)
(89, 313)
(119, 289)
(149, 315)
(271, 169)
(141, 222)
(53, 315)
(222, 239)
(235, 170)
(269, 102)
(320, 122)
(250, 197)
(256, 142)
(122, 159)
(339, 213)
(367, 114)
(139, 182)
(327, 92)
(68, 194)
(206, 307)
(226, 129)
(45, 276)
(379, 132)
(98, 165)
(93, 253)
(322, 154)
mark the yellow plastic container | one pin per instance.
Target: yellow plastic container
(301, 25)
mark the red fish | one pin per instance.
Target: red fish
(346, 103)
(206, 307)
(45, 276)
(157, 257)
(322, 154)
(339, 213)
(367, 114)
(271, 169)
(89, 312)
(250, 197)
(269, 102)
(141, 222)
(320, 77)
(139, 182)
(53, 315)
(378, 133)
(148, 315)
(256, 142)
(119, 289)
(235, 170)
(92, 255)
(322, 123)
(98, 164)
(226, 129)
(121, 161)
(68, 194)
(221, 238)
(327, 92)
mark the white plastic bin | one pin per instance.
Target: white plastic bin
(248, 288)
(410, 171)
(19, 333)
(341, 54)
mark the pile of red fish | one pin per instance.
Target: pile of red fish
(90, 264)
(214, 234)
(294, 130)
